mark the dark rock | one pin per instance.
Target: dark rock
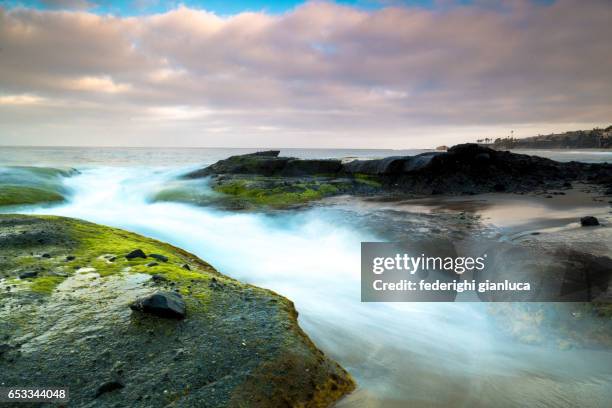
(137, 253)
(150, 264)
(299, 167)
(159, 257)
(158, 278)
(265, 153)
(589, 221)
(162, 304)
(463, 168)
(30, 274)
(46, 255)
(108, 387)
(70, 258)
(186, 266)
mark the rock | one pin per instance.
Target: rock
(266, 153)
(186, 266)
(246, 181)
(150, 264)
(211, 336)
(108, 387)
(159, 257)
(137, 253)
(589, 221)
(30, 274)
(70, 258)
(46, 255)
(162, 304)
(442, 148)
(299, 167)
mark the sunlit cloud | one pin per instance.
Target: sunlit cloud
(341, 75)
(19, 100)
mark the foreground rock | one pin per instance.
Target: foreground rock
(265, 179)
(71, 325)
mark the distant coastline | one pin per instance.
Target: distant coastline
(596, 138)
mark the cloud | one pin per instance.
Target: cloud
(322, 74)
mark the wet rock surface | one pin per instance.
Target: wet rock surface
(71, 325)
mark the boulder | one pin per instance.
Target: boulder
(162, 304)
(159, 257)
(137, 253)
(589, 221)
(29, 274)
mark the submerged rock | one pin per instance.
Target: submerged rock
(162, 304)
(239, 345)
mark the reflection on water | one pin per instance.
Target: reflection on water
(401, 354)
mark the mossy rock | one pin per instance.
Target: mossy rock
(32, 185)
(253, 192)
(71, 325)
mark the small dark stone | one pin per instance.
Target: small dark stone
(567, 184)
(158, 278)
(70, 258)
(150, 264)
(162, 304)
(185, 266)
(46, 256)
(159, 257)
(589, 221)
(108, 387)
(31, 274)
(137, 253)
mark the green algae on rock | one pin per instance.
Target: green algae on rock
(71, 325)
(32, 185)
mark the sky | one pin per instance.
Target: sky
(351, 74)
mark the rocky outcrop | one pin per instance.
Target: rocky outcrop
(268, 164)
(265, 179)
(119, 333)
